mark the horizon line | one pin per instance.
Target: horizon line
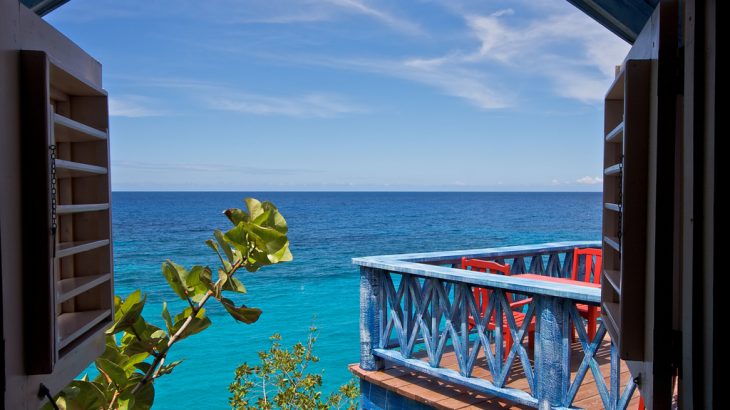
(354, 191)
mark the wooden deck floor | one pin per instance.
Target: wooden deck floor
(444, 395)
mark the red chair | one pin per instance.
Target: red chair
(481, 296)
(590, 313)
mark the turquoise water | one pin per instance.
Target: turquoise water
(326, 231)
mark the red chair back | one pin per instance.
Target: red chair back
(485, 266)
(481, 296)
(589, 254)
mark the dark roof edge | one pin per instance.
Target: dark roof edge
(43, 7)
(625, 18)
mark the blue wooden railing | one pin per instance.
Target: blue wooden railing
(421, 302)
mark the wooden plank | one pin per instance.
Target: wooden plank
(617, 134)
(71, 248)
(68, 288)
(616, 90)
(611, 311)
(36, 242)
(79, 208)
(636, 203)
(71, 84)
(70, 169)
(480, 385)
(75, 131)
(613, 170)
(613, 242)
(428, 389)
(614, 279)
(74, 324)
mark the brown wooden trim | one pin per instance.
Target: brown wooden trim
(37, 245)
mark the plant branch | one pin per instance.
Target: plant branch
(114, 399)
(159, 359)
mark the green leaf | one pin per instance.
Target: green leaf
(126, 401)
(206, 278)
(112, 351)
(199, 323)
(150, 336)
(166, 316)
(128, 312)
(185, 283)
(263, 240)
(234, 285)
(236, 216)
(80, 395)
(222, 279)
(130, 364)
(195, 282)
(267, 215)
(143, 367)
(167, 369)
(145, 397)
(170, 271)
(115, 373)
(243, 313)
(225, 246)
(214, 246)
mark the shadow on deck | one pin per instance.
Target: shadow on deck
(440, 394)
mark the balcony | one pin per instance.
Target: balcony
(420, 346)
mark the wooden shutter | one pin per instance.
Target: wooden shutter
(67, 253)
(626, 168)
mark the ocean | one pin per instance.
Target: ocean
(320, 287)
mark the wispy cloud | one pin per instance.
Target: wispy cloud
(248, 12)
(306, 106)
(588, 180)
(574, 55)
(205, 168)
(455, 80)
(288, 18)
(387, 18)
(225, 97)
(573, 52)
(132, 106)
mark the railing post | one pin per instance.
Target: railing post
(552, 353)
(370, 312)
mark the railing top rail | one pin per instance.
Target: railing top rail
(504, 251)
(416, 264)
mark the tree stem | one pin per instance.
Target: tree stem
(160, 358)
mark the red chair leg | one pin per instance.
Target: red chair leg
(592, 324)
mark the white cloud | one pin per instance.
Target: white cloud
(306, 106)
(205, 168)
(237, 11)
(132, 106)
(362, 7)
(573, 54)
(451, 79)
(288, 18)
(572, 51)
(226, 97)
(588, 180)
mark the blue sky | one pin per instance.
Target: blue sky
(350, 94)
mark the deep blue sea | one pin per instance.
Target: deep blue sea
(326, 231)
